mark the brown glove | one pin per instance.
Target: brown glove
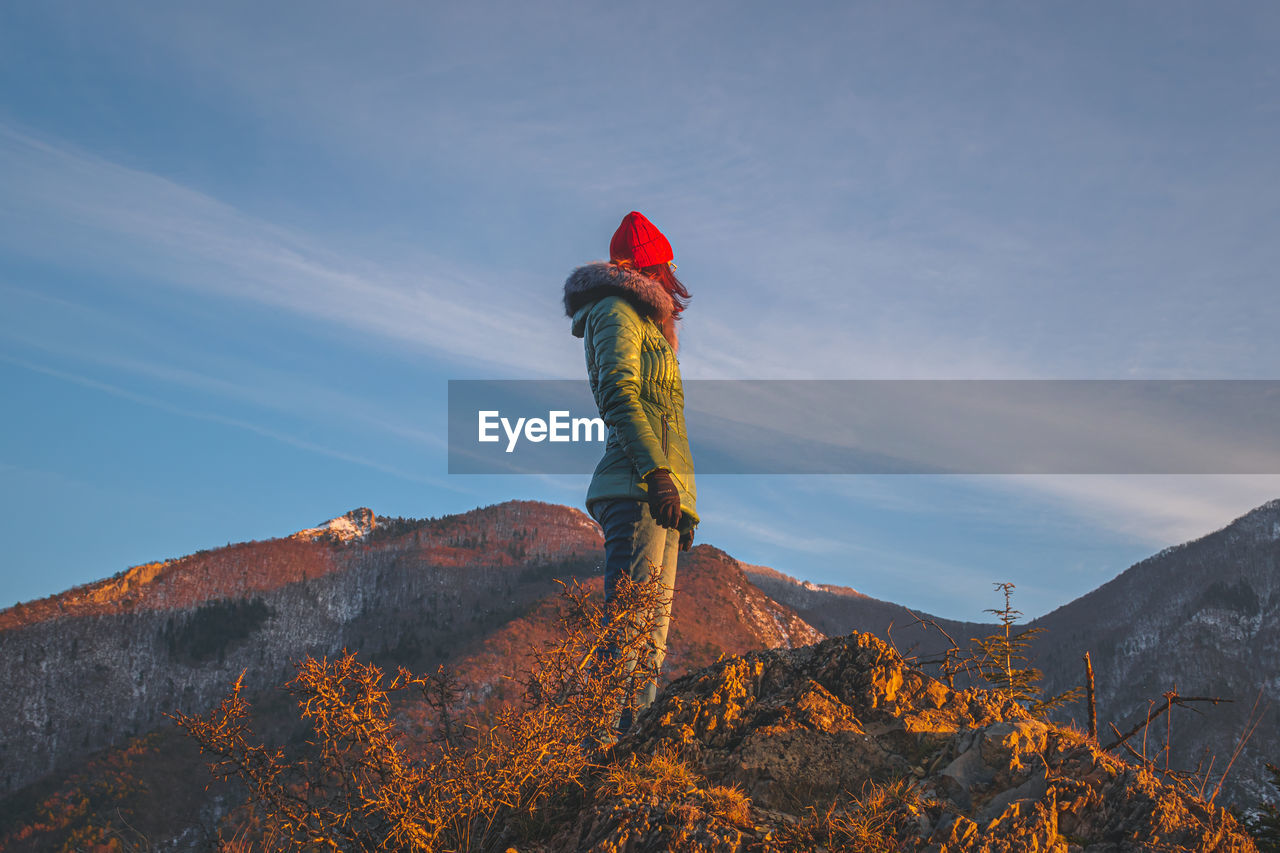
(686, 540)
(664, 498)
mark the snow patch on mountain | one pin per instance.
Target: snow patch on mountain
(356, 524)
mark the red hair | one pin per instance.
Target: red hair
(663, 274)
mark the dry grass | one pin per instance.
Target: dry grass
(879, 820)
(664, 779)
(659, 802)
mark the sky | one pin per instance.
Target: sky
(244, 248)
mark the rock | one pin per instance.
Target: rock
(1007, 744)
(967, 772)
(846, 729)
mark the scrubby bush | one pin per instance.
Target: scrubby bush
(361, 784)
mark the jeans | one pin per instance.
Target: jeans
(634, 545)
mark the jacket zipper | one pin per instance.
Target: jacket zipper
(664, 435)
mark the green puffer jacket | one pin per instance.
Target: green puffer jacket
(628, 329)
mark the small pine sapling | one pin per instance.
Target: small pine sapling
(1003, 660)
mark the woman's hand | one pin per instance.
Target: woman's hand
(664, 498)
(686, 540)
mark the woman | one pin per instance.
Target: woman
(642, 492)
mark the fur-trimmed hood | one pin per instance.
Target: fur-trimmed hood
(590, 283)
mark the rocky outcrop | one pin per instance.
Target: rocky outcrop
(971, 770)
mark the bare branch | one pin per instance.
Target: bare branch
(1251, 725)
(1171, 699)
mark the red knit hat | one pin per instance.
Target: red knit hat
(639, 241)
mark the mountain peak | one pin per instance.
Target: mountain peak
(356, 524)
(765, 574)
(1264, 520)
(1261, 523)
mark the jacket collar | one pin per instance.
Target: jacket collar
(588, 284)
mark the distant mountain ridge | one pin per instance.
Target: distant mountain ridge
(1202, 617)
(838, 610)
(107, 660)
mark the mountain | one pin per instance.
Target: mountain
(93, 671)
(106, 661)
(838, 610)
(1202, 618)
(716, 611)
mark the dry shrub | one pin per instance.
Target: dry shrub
(664, 779)
(658, 802)
(360, 784)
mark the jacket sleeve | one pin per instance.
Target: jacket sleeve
(616, 331)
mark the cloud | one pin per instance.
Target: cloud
(237, 423)
(755, 528)
(976, 426)
(1155, 510)
(71, 207)
(95, 338)
(67, 204)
